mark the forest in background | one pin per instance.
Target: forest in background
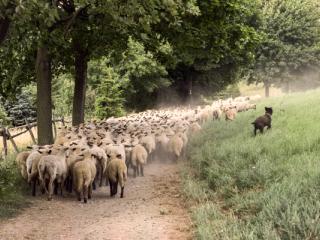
(104, 58)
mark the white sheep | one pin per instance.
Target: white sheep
(139, 157)
(51, 168)
(84, 173)
(117, 173)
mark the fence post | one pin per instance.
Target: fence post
(54, 129)
(5, 145)
(62, 120)
(29, 128)
(12, 141)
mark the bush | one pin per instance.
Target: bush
(21, 108)
(12, 188)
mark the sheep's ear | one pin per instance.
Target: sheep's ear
(99, 144)
(83, 149)
(108, 155)
(73, 149)
(29, 147)
(119, 156)
(39, 152)
(49, 152)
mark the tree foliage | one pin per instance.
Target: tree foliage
(291, 40)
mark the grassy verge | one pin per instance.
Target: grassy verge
(12, 189)
(264, 187)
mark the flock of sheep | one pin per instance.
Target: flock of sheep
(102, 152)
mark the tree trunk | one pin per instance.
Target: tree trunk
(4, 27)
(267, 89)
(81, 65)
(44, 108)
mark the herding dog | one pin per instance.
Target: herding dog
(263, 121)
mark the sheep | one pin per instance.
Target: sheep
(263, 121)
(116, 149)
(101, 161)
(71, 159)
(149, 142)
(139, 157)
(32, 162)
(84, 173)
(255, 97)
(175, 146)
(194, 128)
(217, 113)
(21, 159)
(117, 173)
(231, 113)
(51, 168)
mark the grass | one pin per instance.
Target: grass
(12, 189)
(264, 187)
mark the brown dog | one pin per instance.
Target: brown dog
(263, 121)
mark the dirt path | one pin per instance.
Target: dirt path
(152, 209)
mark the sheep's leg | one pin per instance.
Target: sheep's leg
(50, 189)
(261, 130)
(70, 184)
(90, 191)
(55, 188)
(269, 126)
(141, 170)
(78, 196)
(94, 184)
(85, 194)
(34, 187)
(111, 186)
(122, 190)
(115, 188)
(135, 171)
(61, 187)
(255, 131)
(101, 178)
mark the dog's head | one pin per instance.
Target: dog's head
(269, 110)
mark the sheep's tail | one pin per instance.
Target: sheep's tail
(77, 180)
(86, 180)
(122, 176)
(42, 171)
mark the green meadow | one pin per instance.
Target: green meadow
(263, 187)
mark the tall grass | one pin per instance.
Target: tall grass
(263, 187)
(12, 188)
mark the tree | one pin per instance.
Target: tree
(110, 98)
(290, 44)
(212, 47)
(145, 75)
